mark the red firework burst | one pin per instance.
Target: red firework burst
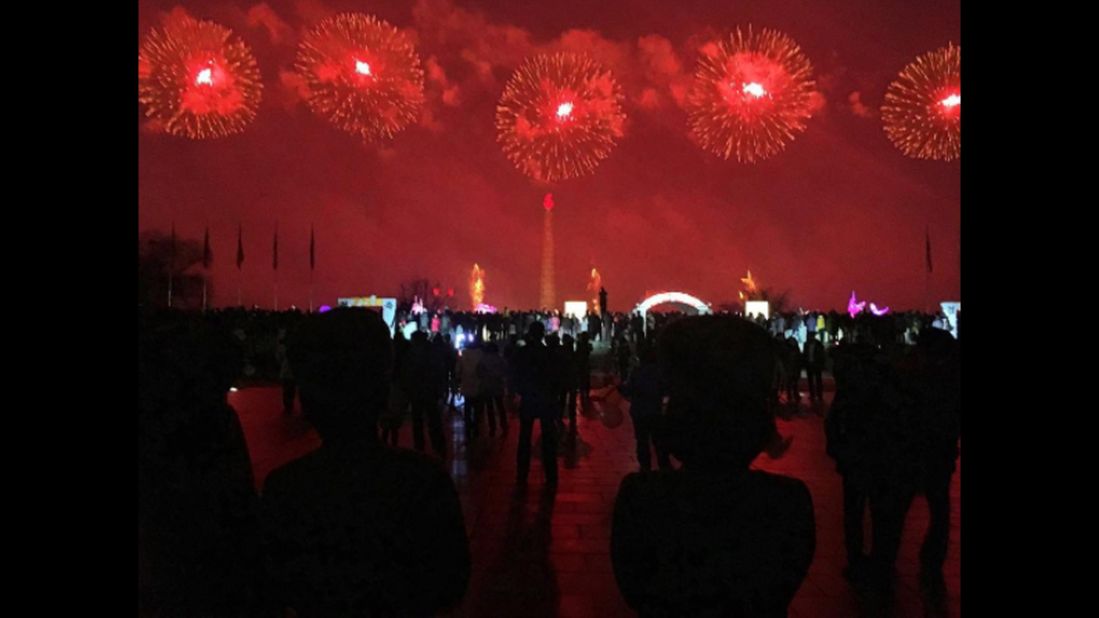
(922, 114)
(363, 75)
(751, 95)
(559, 116)
(198, 80)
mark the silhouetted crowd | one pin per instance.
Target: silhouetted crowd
(361, 527)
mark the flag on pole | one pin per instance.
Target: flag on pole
(240, 247)
(929, 249)
(275, 261)
(312, 249)
(207, 258)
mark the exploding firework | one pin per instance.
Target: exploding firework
(751, 95)
(363, 75)
(559, 116)
(198, 80)
(922, 113)
(476, 287)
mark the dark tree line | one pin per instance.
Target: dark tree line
(158, 262)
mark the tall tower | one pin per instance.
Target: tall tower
(547, 298)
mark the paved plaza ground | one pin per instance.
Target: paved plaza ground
(534, 555)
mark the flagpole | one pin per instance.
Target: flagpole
(240, 265)
(275, 264)
(312, 264)
(205, 264)
(171, 265)
(927, 271)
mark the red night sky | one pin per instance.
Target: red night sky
(840, 209)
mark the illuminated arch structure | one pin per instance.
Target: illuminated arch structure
(681, 298)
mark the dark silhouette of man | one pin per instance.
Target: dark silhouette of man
(848, 429)
(645, 391)
(571, 379)
(606, 318)
(814, 367)
(492, 371)
(534, 384)
(356, 528)
(935, 384)
(198, 533)
(424, 383)
(792, 361)
(714, 538)
(583, 369)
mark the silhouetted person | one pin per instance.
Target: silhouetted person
(792, 361)
(198, 537)
(892, 453)
(356, 528)
(583, 369)
(571, 380)
(645, 391)
(470, 386)
(713, 538)
(813, 356)
(849, 430)
(492, 371)
(595, 326)
(623, 357)
(534, 384)
(423, 384)
(935, 384)
(607, 320)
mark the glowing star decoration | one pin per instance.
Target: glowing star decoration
(874, 309)
(198, 80)
(476, 287)
(362, 74)
(922, 114)
(854, 307)
(560, 115)
(751, 95)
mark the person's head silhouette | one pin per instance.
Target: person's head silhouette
(535, 332)
(719, 372)
(342, 361)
